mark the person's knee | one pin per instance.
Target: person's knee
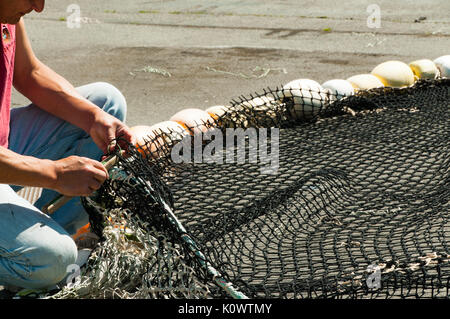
(111, 99)
(51, 260)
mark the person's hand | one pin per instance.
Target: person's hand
(78, 176)
(106, 128)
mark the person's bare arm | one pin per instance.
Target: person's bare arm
(74, 176)
(54, 94)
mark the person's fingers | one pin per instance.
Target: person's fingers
(100, 171)
(95, 184)
(96, 181)
(111, 143)
(126, 137)
(79, 176)
(129, 135)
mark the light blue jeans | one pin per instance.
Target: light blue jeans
(36, 249)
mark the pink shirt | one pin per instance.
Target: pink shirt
(8, 33)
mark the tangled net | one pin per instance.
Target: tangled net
(361, 194)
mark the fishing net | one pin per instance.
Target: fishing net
(350, 200)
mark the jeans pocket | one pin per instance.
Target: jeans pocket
(14, 264)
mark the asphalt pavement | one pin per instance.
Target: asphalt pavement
(169, 55)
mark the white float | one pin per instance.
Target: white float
(365, 81)
(308, 95)
(443, 64)
(424, 69)
(217, 111)
(395, 74)
(194, 120)
(167, 133)
(339, 88)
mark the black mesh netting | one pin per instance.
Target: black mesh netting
(356, 206)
